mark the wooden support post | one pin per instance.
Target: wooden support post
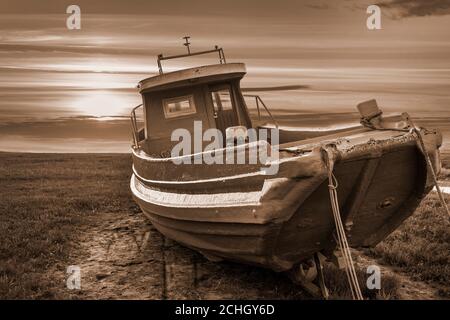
(321, 279)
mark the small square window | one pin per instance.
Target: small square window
(179, 106)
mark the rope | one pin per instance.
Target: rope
(340, 232)
(430, 165)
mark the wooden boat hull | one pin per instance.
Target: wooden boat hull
(281, 220)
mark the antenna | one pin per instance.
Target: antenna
(161, 57)
(187, 43)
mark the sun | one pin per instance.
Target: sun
(102, 104)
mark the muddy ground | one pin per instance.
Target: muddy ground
(122, 256)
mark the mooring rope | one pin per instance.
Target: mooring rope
(428, 160)
(340, 232)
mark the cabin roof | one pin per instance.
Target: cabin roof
(187, 76)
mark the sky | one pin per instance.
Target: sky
(67, 90)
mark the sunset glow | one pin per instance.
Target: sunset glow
(101, 104)
(49, 72)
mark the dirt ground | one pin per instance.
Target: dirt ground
(121, 256)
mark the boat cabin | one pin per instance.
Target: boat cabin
(210, 94)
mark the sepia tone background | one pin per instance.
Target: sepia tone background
(70, 90)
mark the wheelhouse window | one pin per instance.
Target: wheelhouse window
(179, 106)
(222, 100)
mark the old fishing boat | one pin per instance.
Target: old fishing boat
(372, 175)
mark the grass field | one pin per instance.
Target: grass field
(48, 198)
(44, 200)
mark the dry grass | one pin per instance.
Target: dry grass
(44, 200)
(336, 282)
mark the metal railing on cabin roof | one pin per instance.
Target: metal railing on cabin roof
(258, 100)
(134, 126)
(161, 57)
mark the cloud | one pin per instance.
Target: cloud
(416, 8)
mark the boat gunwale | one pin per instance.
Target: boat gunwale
(348, 151)
(140, 153)
(199, 181)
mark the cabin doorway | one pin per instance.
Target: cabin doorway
(224, 107)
